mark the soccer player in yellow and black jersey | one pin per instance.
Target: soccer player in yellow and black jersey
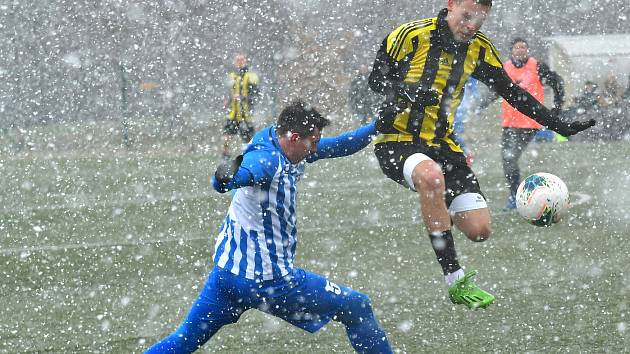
(243, 95)
(422, 68)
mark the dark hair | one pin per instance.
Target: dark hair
(480, 2)
(519, 40)
(298, 117)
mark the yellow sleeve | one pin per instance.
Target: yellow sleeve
(253, 78)
(400, 42)
(492, 56)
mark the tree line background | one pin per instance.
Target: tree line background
(64, 61)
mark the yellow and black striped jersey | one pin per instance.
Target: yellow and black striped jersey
(243, 91)
(416, 53)
(424, 53)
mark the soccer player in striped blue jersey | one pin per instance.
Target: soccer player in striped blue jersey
(255, 249)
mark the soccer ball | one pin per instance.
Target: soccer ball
(542, 199)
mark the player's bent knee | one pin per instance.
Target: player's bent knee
(478, 233)
(428, 176)
(420, 171)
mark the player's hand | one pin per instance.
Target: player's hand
(227, 169)
(572, 128)
(560, 126)
(386, 116)
(419, 95)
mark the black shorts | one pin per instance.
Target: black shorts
(243, 128)
(458, 177)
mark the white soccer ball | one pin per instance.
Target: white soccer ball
(542, 199)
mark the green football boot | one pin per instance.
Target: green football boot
(465, 291)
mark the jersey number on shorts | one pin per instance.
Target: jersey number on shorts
(333, 288)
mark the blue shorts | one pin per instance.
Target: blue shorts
(306, 300)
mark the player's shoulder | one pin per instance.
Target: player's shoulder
(482, 40)
(264, 143)
(253, 77)
(262, 152)
(422, 25)
(399, 42)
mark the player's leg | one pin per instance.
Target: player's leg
(212, 310)
(509, 158)
(513, 143)
(362, 328)
(246, 130)
(230, 129)
(471, 215)
(408, 165)
(466, 204)
(425, 176)
(432, 187)
(309, 301)
(475, 224)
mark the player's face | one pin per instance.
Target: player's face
(465, 18)
(308, 144)
(520, 51)
(240, 61)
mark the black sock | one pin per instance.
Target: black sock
(444, 248)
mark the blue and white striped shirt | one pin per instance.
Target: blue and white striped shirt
(258, 238)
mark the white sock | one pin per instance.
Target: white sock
(452, 277)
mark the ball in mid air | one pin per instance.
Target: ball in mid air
(542, 199)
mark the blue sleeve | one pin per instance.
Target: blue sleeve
(258, 168)
(344, 144)
(460, 141)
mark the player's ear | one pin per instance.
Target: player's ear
(294, 137)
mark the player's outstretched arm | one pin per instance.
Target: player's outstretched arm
(254, 168)
(498, 80)
(553, 80)
(344, 144)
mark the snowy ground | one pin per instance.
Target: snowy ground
(106, 254)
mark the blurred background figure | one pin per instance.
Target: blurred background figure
(518, 130)
(362, 101)
(613, 110)
(612, 93)
(243, 96)
(588, 97)
(608, 104)
(468, 107)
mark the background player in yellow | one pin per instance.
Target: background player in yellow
(422, 68)
(242, 97)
